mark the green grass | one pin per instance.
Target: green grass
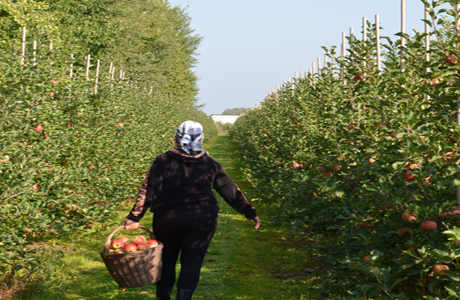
(242, 263)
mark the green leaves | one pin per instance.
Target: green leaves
(395, 137)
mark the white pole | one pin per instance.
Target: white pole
(377, 37)
(403, 30)
(318, 60)
(88, 62)
(342, 53)
(34, 59)
(23, 45)
(110, 69)
(364, 29)
(96, 80)
(427, 39)
(457, 27)
(71, 67)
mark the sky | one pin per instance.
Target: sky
(250, 46)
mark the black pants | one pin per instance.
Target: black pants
(188, 233)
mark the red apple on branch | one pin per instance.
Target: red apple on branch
(428, 225)
(38, 128)
(437, 270)
(409, 216)
(408, 175)
(450, 59)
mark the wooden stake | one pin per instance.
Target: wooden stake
(377, 37)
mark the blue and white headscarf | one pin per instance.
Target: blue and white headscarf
(189, 136)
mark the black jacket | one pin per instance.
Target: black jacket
(179, 182)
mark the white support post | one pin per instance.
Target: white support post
(71, 68)
(34, 59)
(403, 30)
(457, 27)
(427, 39)
(364, 29)
(23, 45)
(377, 37)
(342, 53)
(96, 80)
(88, 62)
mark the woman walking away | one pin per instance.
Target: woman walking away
(178, 190)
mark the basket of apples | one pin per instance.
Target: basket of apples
(133, 262)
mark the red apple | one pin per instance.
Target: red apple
(321, 169)
(140, 239)
(435, 81)
(450, 59)
(120, 125)
(437, 270)
(428, 225)
(117, 244)
(295, 165)
(358, 78)
(38, 128)
(408, 175)
(142, 246)
(152, 243)
(409, 216)
(123, 239)
(52, 94)
(130, 247)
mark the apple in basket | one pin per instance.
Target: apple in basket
(142, 246)
(123, 239)
(117, 244)
(140, 239)
(130, 247)
(152, 243)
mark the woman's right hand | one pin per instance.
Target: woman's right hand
(256, 221)
(129, 224)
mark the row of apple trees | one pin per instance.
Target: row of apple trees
(367, 162)
(70, 155)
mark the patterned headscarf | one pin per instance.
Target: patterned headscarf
(189, 136)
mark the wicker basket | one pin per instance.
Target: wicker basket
(133, 269)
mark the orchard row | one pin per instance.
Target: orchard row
(68, 156)
(366, 162)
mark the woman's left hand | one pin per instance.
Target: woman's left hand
(129, 224)
(256, 221)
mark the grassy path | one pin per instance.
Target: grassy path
(241, 264)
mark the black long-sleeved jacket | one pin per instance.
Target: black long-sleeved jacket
(180, 182)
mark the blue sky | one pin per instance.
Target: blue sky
(250, 46)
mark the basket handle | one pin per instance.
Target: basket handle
(110, 236)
